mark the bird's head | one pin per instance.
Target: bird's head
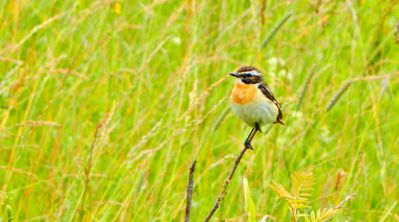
(248, 75)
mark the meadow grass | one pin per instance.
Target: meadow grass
(104, 105)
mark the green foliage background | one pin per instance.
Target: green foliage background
(103, 110)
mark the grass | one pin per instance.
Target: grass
(105, 106)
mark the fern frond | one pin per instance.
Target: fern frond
(302, 184)
(301, 187)
(281, 191)
(293, 201)
(322, 215)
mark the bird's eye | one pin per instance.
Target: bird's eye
(247, 75)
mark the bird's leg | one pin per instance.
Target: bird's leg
(251, 135)
(257, 126)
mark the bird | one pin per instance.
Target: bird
(253, 101)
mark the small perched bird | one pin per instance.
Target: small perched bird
(253, 101)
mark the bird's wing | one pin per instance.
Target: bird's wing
(265, 89)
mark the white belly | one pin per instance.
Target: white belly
(262, 111)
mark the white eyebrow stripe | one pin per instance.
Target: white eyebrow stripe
(254, 73)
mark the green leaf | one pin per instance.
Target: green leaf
(249, 203)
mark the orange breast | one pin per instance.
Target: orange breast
(243, 93)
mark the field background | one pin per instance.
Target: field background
(104, 106)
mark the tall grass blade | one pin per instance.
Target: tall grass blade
(249, 203)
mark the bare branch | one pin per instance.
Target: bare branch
(226, 184)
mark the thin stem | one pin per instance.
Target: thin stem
(87, 172)
(190, 191)
(250, 135)
(294, 214)
(253, 135)
(227, 182)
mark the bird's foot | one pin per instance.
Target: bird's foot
(248, 145)
(257, 127)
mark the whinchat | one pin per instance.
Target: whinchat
(253, 101)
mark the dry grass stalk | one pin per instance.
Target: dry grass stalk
(102, 129)
(345, 86)
(190, 191)
(36, 29)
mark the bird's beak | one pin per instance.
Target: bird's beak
(234, 74)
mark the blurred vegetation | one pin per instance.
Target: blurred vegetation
(104, 105)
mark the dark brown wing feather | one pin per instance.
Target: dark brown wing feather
(268, 93)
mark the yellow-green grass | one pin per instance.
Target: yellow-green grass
(103, 109)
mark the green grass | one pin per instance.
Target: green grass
(103, 113)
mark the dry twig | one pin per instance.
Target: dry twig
(226, 184)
